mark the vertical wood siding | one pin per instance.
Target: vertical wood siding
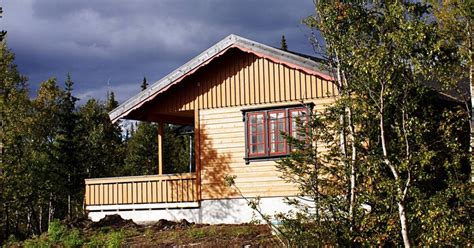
(237, 79)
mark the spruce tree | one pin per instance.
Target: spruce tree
(144, 84)
(3, 33)
(67, 149)
(111, 103)
(102, 152)
(283, 45)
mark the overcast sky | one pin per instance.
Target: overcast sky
(121, 41)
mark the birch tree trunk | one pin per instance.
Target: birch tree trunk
(343, 139)
(50, 209)
(400, 191)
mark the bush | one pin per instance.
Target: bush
(37, 242)
(73, 239)
(97, 241)
(56, 230)
(115, 239)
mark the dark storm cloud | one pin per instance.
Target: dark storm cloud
(121, 41)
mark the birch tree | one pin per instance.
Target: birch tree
(402, 138)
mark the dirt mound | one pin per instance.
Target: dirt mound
(114, 221)
(163, 225)
(79, 222)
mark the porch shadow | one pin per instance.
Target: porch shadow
(215, 166)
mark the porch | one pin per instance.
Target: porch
(142, 192)
(157, 191)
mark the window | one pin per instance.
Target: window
(256, 134)
(277, 125)
(264, 128)
(295, 115)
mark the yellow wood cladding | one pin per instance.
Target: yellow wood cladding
(238, 78)
(222, 139)
(141, 189)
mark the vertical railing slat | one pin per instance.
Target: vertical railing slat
(160, 190)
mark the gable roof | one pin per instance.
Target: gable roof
(308, 64)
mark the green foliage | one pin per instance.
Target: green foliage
(396, 157)
(142, 151)
(197, 234)
(37, 242)
(175, 150)
(115, 239)
(73, 239)
(98, 240)
(283, 45)
(48, 146)
(111, 103)
(142, 146)
(101, 141)
(56, 230)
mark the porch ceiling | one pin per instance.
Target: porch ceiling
(181, 117)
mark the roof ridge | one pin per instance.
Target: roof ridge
(285, 57)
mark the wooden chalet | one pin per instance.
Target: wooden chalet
(238, 95)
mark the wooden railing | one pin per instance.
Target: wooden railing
(141, 189)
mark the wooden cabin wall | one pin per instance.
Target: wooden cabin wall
(238, 79)
(218, 92)
(222, 139)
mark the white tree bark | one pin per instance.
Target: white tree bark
(401, 192)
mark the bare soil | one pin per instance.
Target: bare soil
(164, 233)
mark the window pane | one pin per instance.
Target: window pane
(281, 147)
(254, 149)
(297, 116)
(253, 139)
(260, 148)
(252, 119)
(281, 128)
(277, 125)
(256, 133)
(260, 128)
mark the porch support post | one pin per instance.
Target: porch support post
(160, 148)
(197, 153)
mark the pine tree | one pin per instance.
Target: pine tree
(283, 45)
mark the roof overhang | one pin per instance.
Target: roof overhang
(232, 41)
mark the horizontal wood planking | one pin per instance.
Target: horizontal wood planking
(239, 79)
(222, 135)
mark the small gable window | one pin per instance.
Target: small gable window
(264, 128)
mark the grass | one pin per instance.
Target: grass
(59, 235)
